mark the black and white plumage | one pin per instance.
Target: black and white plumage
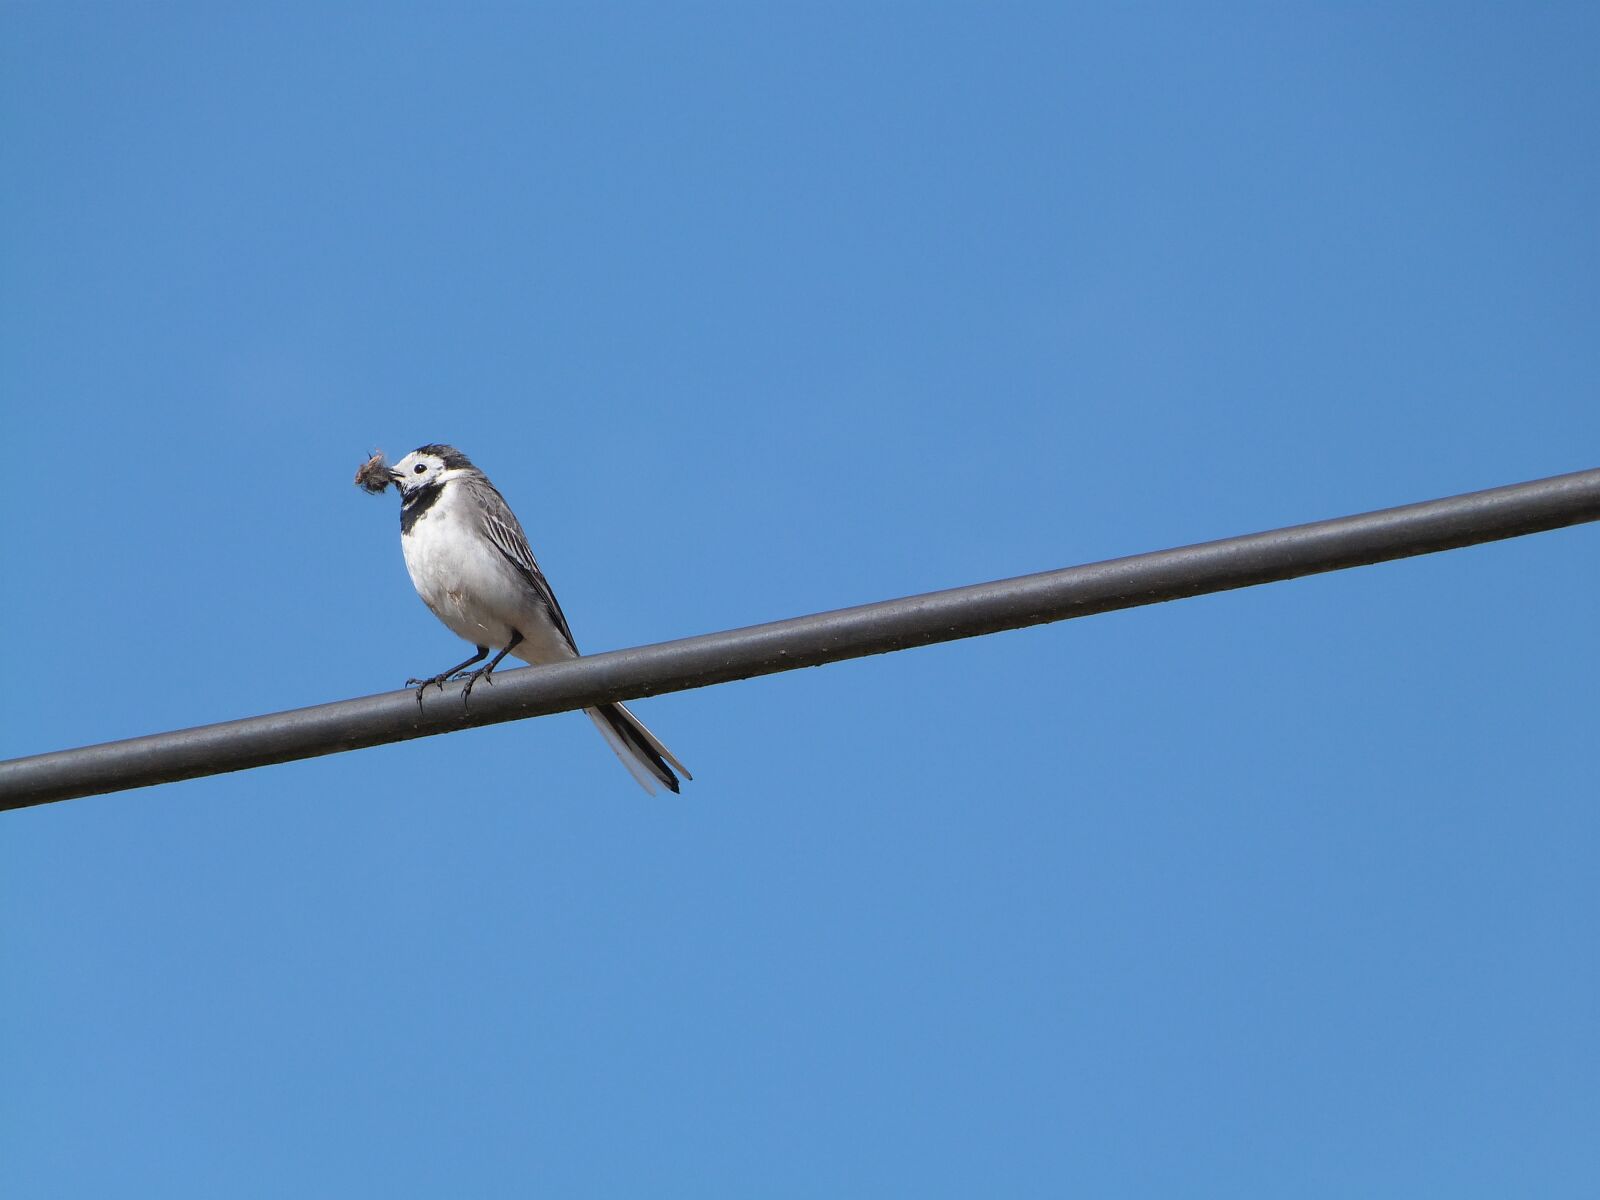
(471, 564)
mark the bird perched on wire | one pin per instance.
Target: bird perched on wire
(471, 564)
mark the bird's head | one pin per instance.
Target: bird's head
(427, 466)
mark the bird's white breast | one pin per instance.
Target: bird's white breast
(459, 574)
(472, 587)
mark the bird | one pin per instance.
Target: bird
(470, 562)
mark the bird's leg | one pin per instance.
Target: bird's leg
(422, 684)
(487, 671)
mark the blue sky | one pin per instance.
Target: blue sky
(752, 312)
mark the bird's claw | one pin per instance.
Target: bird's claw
(484, 673)
(422, 685)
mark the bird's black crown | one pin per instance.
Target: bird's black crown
(452, 458)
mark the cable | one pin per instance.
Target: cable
(810, 641)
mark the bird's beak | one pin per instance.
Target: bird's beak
(395, 477)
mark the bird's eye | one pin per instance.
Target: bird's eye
(420, 468)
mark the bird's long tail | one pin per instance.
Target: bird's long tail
(640, 750)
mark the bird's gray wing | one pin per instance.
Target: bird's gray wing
(503, 530)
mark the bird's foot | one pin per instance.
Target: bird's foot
(484, 673)
(441, 680)
(422, 685)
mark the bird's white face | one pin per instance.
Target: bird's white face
(417, 470)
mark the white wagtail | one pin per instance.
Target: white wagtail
(471, 564)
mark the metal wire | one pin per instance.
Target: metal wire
(810, 641)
